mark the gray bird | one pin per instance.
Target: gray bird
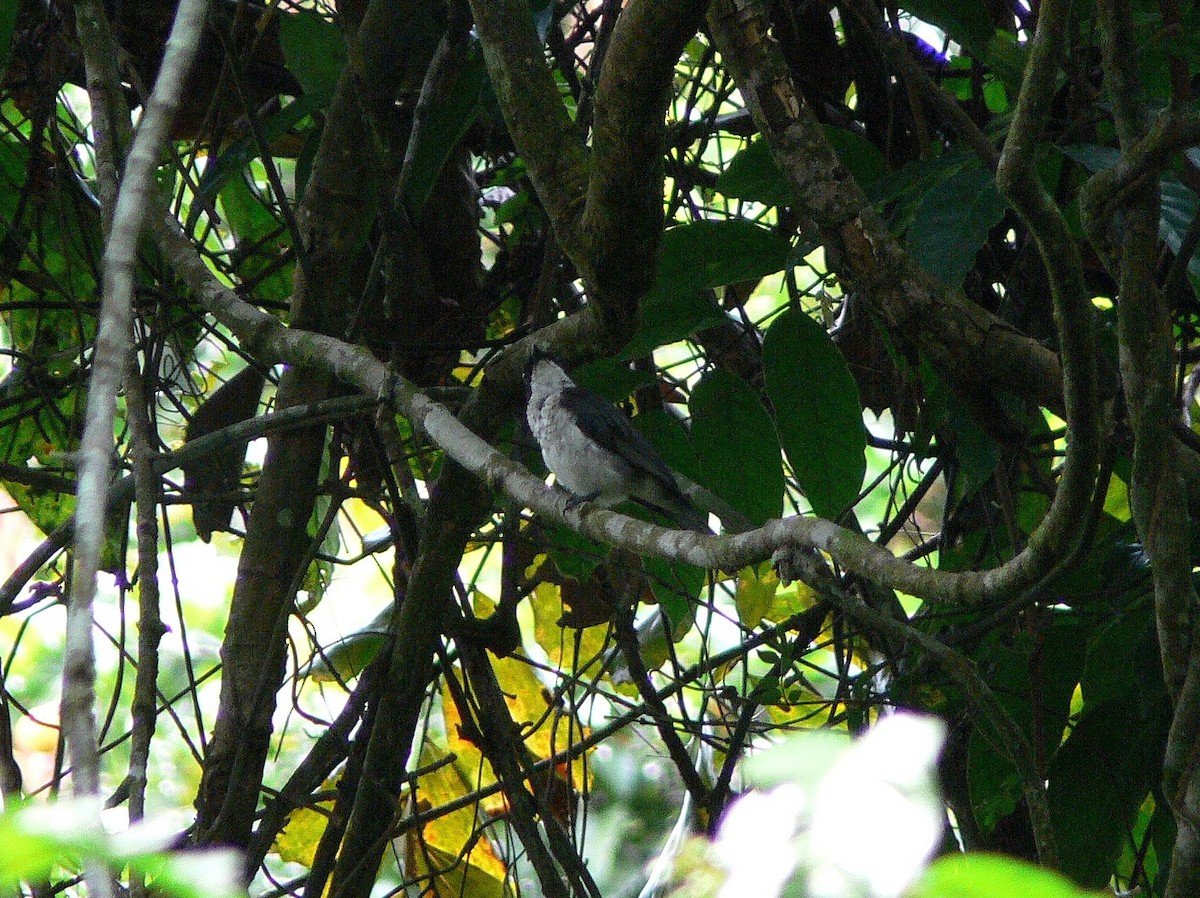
(594, 450)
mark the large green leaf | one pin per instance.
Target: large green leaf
(753, 175)
(695, 257)
(992, 876)
(711, 253)
(315, 52)
(817, 410)
(738, 449)
(261, 241)
(238, 154)
(966, 21)
(1099, 778)
(442, 128)
(952, 222)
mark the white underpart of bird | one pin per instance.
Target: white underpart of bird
(594, 450)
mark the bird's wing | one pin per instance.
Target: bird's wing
(604, 424)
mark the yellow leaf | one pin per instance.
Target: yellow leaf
(298, 841)
(472, 766)
(568, 648)
(756, 587)
(462, 861)
(793, 601)
(546, 729)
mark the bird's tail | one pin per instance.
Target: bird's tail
(678, 509)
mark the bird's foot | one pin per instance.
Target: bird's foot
(575, 501)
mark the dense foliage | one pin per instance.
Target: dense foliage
(907, 293)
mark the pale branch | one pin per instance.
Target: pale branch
(113, 337)
(113, 340)
(268, 339)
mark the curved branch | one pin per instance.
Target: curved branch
(957, 336)
(1143, 155)
(993, 720)
(269, 340)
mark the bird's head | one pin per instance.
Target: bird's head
(544, 372)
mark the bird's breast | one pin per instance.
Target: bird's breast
(578, 463)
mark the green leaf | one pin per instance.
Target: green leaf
(239, 154)
(861, 157)
(442, 128)
(614, 380)
(952, 222)
(1179, 207)
(711, 253)
(261, 241)
(315, 52)
(753, 175)
(670, 438)
(675, 587)
(1099, 778)
(349, 656)
(966, 21)
(738, 449)
(668, 317)
(992, 876)
(817, 410)
(693, 258)
(1122, 662)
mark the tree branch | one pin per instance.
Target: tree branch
(623, 218)
(909, 299)
(549, 142)
(1157, 500)
(270, 340)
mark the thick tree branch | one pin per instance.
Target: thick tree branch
(549, 142)
(971, 349)
(1145, 331)
(334, 217)
(910, 301)
(623, 219)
